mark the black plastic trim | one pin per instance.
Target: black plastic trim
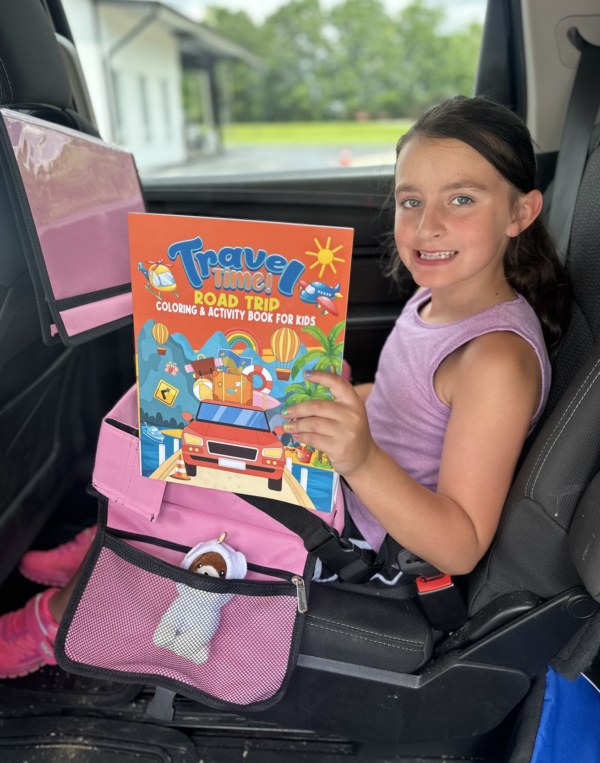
(449, 699)
(495, 615)
(531, 641)
(501, 72)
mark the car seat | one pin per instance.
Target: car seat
(44, 423)
(531, 600)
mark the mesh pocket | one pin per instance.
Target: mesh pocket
(223, 642)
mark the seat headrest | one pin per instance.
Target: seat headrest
(31, 67)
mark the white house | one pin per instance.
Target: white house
(133, 53)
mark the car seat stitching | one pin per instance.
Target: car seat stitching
(558, 423)
(12, 97)
(372, 640)
(362, 630)
(561, 431)
(549, 443)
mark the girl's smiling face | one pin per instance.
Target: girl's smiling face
(454, 214)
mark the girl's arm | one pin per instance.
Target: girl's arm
(493, 391)
(363, 391)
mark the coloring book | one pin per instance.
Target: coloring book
(228, 314)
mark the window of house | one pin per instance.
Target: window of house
(117, 97)
(166, 107)
(145, 107)
(278, 85)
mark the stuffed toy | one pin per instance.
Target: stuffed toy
(191, 621)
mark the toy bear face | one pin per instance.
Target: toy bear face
(211, 564)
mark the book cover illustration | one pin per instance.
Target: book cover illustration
(228, 314)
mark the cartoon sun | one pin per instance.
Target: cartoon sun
(325, 256)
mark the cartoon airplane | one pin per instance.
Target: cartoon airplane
(320, 295)
(159, 276)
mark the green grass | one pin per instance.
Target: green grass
(350, 133)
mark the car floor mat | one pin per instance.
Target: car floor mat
(91, 740)
(48, 739)
(53, 686)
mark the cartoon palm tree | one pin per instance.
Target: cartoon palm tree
(306, 391)
(329, 357)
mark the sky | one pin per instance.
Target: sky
(459, 12)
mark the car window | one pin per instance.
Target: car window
(237, 417)
(193, 87)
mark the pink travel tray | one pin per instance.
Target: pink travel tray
(74, 193)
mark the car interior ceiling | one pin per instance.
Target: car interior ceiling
(407, 688)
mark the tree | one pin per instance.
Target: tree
(324, 64)
(365, 57)
(306, 391)
(245, 82)
(329, 356)
(297, 60)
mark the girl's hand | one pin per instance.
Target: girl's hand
(339, 428)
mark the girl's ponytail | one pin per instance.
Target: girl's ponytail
(532, 268)
(531, 263)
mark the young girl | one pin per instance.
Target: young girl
(428, 451)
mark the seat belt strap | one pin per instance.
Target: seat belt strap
(353, 564)
(579, 124)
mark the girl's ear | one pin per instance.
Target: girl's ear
(527, 209)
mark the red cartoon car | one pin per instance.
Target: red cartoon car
(234, 438)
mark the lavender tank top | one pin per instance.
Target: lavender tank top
(406, 417)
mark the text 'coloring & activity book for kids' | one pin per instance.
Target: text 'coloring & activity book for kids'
(228, 314)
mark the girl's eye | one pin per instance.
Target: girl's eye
(462, 201)
(410, 203)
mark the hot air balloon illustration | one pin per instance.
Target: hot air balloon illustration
(160, 333)
(285, 344)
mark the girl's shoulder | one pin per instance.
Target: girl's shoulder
(498, 363)
(500, 348)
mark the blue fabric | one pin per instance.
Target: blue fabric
(569, 730)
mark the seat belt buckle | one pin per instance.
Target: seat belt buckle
(441, 602)
(410, 564)
(339, 553)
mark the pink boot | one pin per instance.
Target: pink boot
(27, 637)
(57, 567)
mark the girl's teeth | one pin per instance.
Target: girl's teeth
(436, 255)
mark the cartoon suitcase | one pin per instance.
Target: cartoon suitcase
(203, 368)
(229, 386)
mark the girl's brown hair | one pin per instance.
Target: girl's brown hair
(531, 264)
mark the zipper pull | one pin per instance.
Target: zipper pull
(301, 593)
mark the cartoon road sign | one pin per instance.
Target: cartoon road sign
(166, 393)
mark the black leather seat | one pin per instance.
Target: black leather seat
(366, 630)
(533, 594)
